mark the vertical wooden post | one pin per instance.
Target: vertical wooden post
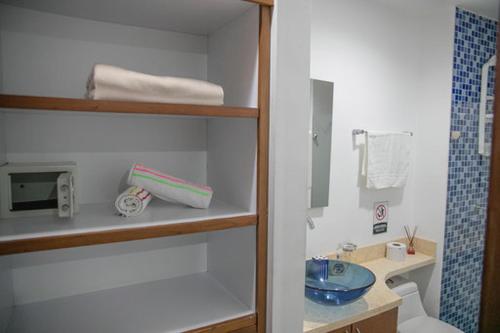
(263, 163)
(490, 302)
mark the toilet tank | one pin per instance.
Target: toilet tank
(408, 291)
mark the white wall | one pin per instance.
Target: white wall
(231, 161)
(47, 54)
(391, 64)
(231, 260)
(3, 147)
(232, 149)
(1, 71)
(6, 292)
(433, 121)
(288, 164)
(45, 275)
(233, 59)
(373, 67)
(2, 120)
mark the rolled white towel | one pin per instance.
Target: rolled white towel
(133, 201)
(114, 83)
(170, 188)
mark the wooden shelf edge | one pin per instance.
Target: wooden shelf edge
(123, 235)
(262, 2)
(233, 325)
(87, 105)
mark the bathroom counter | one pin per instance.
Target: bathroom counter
(322, 319)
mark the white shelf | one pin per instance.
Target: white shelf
(187, 16)
(103, 217)
(172, 305)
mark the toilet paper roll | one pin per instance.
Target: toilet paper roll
(396, 251)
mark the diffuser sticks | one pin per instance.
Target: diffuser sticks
(411, 239)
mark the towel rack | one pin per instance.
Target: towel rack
(362, 131)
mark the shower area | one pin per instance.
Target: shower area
(469, 164)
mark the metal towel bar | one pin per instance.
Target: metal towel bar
(362, 131)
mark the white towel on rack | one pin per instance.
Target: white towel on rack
(114, 83)
(387, 159)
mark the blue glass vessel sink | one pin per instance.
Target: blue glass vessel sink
(335, 282)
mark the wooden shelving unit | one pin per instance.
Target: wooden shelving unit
(98, 224)
(87, 105)
(204, 301)
(202, 297)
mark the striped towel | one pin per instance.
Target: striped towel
(133, 201)
(170, 188)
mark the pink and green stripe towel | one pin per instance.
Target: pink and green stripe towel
(170, 188)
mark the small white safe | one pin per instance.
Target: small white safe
(43, 188)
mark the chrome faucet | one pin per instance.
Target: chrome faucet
(310, 222)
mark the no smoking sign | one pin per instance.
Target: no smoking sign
(380, 217)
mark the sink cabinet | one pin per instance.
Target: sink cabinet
(386, 322)
(346, 329)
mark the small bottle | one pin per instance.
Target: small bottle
(321, 263)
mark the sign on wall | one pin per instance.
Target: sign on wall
(380, 217)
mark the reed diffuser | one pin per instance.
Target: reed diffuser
(411, 239)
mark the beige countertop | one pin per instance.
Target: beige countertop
(322, 319)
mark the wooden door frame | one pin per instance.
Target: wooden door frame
(490, 301)
(263, 162)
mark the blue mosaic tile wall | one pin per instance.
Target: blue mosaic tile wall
(475, 43)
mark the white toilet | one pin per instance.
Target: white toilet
(412, 317)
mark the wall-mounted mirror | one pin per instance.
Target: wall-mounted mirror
(321, 141)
